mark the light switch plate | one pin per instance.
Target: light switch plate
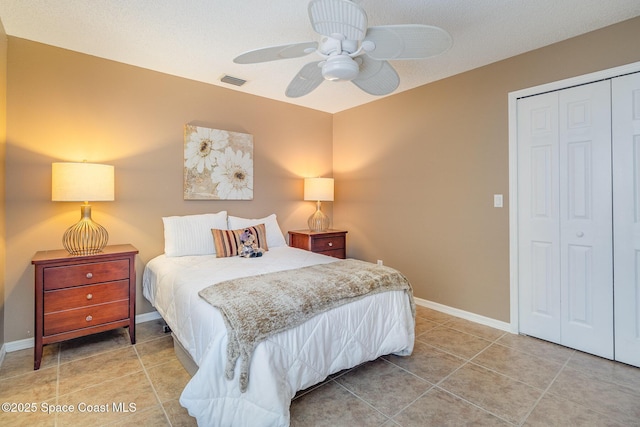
(497, 200)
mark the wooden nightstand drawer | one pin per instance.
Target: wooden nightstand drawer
(320, 244)
(338, 253)
(83, 296)
(84, 274)
(69, 320)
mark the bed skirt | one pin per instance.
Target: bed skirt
(184, 357)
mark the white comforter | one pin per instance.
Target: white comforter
(281, 365)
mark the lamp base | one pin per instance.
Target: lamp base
(85, 237)
(318, 221)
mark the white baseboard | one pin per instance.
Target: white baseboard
(147, 317)
(19, 344)
(487, 321)
(29, 342)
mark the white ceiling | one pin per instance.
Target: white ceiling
(198, 39)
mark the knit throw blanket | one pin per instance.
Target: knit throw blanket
(257, 307)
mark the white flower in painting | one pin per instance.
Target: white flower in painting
(201, 150)
(234, 175)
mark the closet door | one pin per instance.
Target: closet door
(626, 181)
(565, 219)
(586, 235)
(539, 217)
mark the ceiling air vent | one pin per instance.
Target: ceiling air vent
(232, 80)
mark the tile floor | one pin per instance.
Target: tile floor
(99, 371)
(460, 373)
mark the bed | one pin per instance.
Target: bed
(282, 364)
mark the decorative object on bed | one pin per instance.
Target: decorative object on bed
(83, 182)
(250, 248)
(229, 242)
(218, 164)
(294, 359)
(255, 308)
(318, 190)
(191, 234)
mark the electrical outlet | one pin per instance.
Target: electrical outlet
(380, 262)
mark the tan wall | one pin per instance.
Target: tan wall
(66, 106)
(416, 172)
(3, 145)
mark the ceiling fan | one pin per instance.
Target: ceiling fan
(351, 51)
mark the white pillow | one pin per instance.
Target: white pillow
(191, 234)
(274, 234)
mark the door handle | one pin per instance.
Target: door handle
(579, 234)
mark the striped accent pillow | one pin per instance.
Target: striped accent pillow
(227, 242)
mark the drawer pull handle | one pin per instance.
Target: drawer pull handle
(330, 244)
(89, 318)
(89, 275)
(89, 296)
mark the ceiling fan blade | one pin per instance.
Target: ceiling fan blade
(274, 53)
(407, 41)
(307, 79)
(331, 17)
(376, 77)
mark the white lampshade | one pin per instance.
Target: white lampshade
(82, 182)
(318, 189)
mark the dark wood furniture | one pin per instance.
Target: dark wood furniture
(77, 295)
(330, 242)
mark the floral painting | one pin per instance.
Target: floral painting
(218, 164)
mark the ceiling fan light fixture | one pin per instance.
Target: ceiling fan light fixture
(351, 50)
(340, 68)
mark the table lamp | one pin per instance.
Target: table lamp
(318, 190)
(83, 182)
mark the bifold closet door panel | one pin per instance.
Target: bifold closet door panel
(586, 236)
(539, 217)
(626, 208)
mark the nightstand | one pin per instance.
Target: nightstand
(77, 295)
(330, 242)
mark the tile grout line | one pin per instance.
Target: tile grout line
(56, 361)
(431, 387)
(502, 374)
(155, 393)
(544, 392)
(591, 379)
(437, 384)
(361, 399)
(468, 361)
(489, 340)
(55, 418)
(106, 380)
(108, 350)
(102, 353)
(483, 409)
